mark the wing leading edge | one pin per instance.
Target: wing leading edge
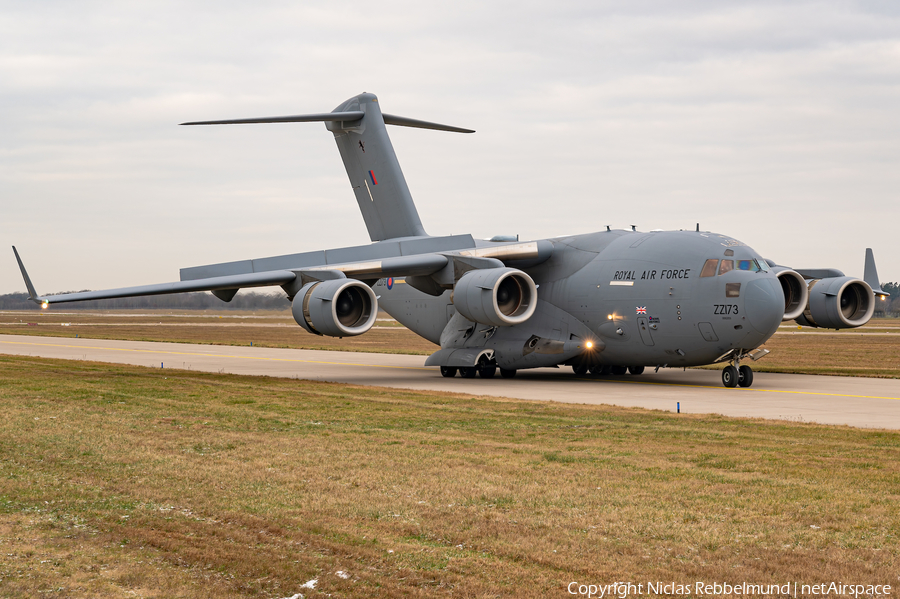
(291, 279)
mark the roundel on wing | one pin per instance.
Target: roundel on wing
(390, 282)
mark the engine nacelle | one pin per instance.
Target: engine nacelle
(337, 308)
(838, 303)
(500, 297)
(796, 293)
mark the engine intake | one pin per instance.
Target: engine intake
(838, 303)
(336, 308)
(500, 297)
(796, 294)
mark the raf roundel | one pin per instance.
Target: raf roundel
(390, 282)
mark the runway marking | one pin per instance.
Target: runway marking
(175, 353)
(211, 355)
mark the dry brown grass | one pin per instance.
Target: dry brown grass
(844, 354)
(119, 479)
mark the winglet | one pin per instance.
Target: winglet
(870, 274)
(31, 292)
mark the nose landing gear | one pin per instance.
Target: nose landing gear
(734, 375)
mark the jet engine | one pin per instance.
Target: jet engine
(838, 303)
(336, 308)
(495, 296)
(796, 294)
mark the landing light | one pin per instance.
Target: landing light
(589, 344)
(45, 305)
(609, 317)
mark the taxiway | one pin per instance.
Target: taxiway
(859, 402)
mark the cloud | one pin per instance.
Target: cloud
(772, 122)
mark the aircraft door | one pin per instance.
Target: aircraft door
(706, 329)
(644, 328)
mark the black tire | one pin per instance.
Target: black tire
(619, 370)
(635, 370)
(487, 372)
(448, 371)
(745, 376)
(468, 373)
(598, 369)
(730, 376)
(507, 374)
(579, 369)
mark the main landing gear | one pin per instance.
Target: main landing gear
(734, 377)
(486, 369)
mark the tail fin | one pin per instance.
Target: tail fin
(359, 130)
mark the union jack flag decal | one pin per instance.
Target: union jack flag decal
(641, 309)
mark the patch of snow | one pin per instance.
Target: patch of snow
(297, 596)
(342, 574)
(310, 584)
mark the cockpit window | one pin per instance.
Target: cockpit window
(750, 265)
(726, 266)
(763, 266)
(709, 269)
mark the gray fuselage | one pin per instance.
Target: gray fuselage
(618, 298)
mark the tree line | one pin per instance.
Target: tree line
(889, 306)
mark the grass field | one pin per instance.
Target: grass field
(872, 350)
(121, 481)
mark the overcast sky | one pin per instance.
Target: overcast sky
(777, 123)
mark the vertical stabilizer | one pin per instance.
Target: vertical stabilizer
(359, 129)
(374, 171)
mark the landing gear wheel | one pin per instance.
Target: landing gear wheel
(448, 371)
(487, 372)
(507, 374)
(636, 370)
(468, 373)
(595, 370)
(579, 369)
(745, 376)
(730, 376)
(619, 370)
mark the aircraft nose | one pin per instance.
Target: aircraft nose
(764, 305)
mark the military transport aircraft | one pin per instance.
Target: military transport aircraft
(610, 302)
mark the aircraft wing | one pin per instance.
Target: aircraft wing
(226, 279)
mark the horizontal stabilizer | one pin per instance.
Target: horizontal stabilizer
(354, 115)
(402, 121)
